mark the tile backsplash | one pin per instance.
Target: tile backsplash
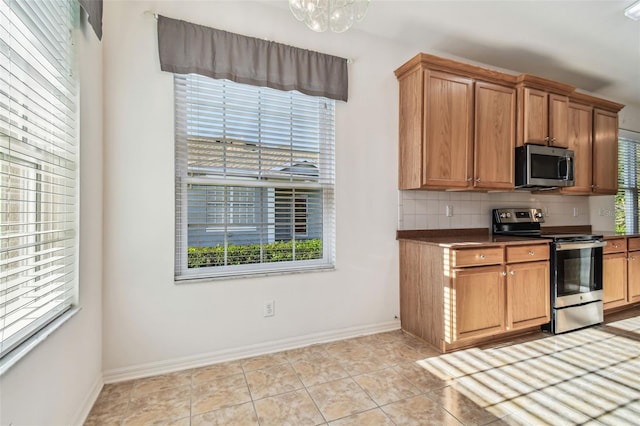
(418, 209)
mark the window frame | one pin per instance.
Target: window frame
(41, 168)
(627, 205)
(183, 181)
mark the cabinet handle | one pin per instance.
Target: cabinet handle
(512, 272)
(553, 140)
(546, 139)
(478, 180)
(469, 179)
(531, 253)
(504, 274)
(482, 256)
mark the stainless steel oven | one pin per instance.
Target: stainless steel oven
(575, 265)
(576, 282)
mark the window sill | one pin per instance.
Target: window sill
(257, 274)
(12, 358)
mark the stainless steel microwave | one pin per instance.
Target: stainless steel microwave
(543, 167)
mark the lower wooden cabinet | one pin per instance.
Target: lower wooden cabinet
(528, 295)
(477, 302)
(633, 277)
(621, 272)
(614, 278)
(502, 290)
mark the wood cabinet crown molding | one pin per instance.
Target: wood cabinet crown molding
(424, 60)
(586, 99)
(541, 83)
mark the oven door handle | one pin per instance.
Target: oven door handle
(579, 245)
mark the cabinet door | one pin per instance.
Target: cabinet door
(614, 280)
(477, 302)
(558, 111)
(494, 136)
(605, 152)
(579, 126)
(528, 298)
(447, 154)
(536, 115)
(633, 277)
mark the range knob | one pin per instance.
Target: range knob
(508, 214)
(538, 215)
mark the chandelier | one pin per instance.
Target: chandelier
(336, 15)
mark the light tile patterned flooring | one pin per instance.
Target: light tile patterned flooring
(590, 376)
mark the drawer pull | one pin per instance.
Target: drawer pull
(482, 256)
(531, 253)
(615, 246)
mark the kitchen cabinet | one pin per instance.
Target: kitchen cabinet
(528, 286)
(447, 143)
(621, 272)
(477, 300)
(457, 126)
(454, 297)
(605, 152)
(593, 136)
(614, 273)
(579, 140)
(494, 136)
(528, 294)
(544, 118)
(543, 107)
(634, 270)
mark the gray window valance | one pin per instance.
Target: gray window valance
(189, 48)
(93, 8)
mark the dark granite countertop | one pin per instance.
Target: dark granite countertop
(462, 238)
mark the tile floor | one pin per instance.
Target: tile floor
(395, 379)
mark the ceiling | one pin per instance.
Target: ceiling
(586, 43)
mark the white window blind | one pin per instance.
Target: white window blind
(38, 166)
(254, 179)
(628, 182)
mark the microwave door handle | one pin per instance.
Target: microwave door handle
(559, 166)
(568, 161)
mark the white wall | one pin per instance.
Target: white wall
(152, 324)
(57, 382)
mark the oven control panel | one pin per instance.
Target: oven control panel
(518, 215)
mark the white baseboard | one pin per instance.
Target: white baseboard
(177, 364)
(89, 401)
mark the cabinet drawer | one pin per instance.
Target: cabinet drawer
(527, 253)
(634, 244)
(477, 256)
(616, 245)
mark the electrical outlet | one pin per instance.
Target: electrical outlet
(575, 212)
(449, 211)
(269, 308)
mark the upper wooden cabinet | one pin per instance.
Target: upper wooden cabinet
(543, 107)
(448, 134)
(605, 152)
(494, 136)
(457, 126)
(592, 125)
(579, 138)
(460, 123)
